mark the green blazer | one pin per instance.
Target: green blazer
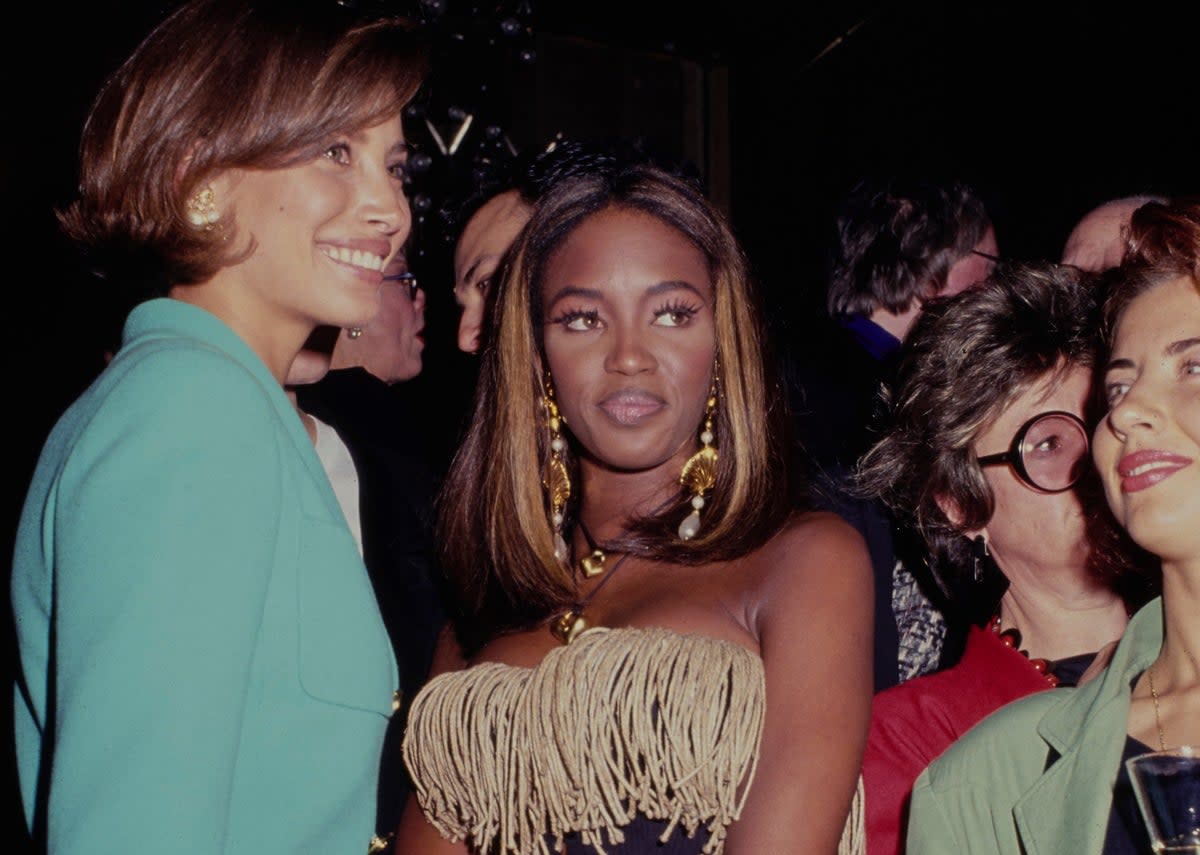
(203, 667)
(1037, 775)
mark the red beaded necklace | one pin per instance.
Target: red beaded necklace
(1012, 638)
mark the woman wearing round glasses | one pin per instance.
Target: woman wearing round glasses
(984, 458)
(1048, 774)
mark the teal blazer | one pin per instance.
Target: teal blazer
(203, 667)
(1036, 776)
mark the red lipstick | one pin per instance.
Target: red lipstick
(1143, 469)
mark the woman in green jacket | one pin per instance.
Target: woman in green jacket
(1045, 774)
(203, 667)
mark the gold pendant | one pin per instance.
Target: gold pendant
(592, 565)
(567, 626)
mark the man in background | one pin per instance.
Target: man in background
(379, 468)
(898, 243)
(1097, 241)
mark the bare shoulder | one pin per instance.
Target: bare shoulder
(812, 620)
(816, 558)
(813, 540)
(447, 654)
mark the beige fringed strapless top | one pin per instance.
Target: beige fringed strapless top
(621, 722)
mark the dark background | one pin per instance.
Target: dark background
(1045, 108)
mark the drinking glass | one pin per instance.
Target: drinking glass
(1167, 786)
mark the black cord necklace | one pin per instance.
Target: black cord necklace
(591, 565)
(568, 625)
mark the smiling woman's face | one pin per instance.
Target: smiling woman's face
(1147, 446)
(630, 339)
(322, 231)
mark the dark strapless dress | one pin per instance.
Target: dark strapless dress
(641, 836)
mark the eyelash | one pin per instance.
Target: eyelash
(592, 317)
(687, 312)
(1113, 392)
(570, 316)
(1116, 389)
(342, 148)
(340, 153)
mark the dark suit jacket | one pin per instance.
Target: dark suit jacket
(397, 486)
(833, 386)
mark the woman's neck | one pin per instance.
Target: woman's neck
(275, 339)
(1063, 616)
(1179, 661)
(609, 499)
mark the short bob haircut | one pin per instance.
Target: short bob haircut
(967, 358)
(896, 242)
(218, 85)
(1163, 244)
(495, 526)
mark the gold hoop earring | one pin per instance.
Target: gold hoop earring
(202, 209)
(555, 477)
(700, 471)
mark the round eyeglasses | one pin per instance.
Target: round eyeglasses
(1049, 452)
(408, 280)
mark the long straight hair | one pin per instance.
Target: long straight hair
(495, 531)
